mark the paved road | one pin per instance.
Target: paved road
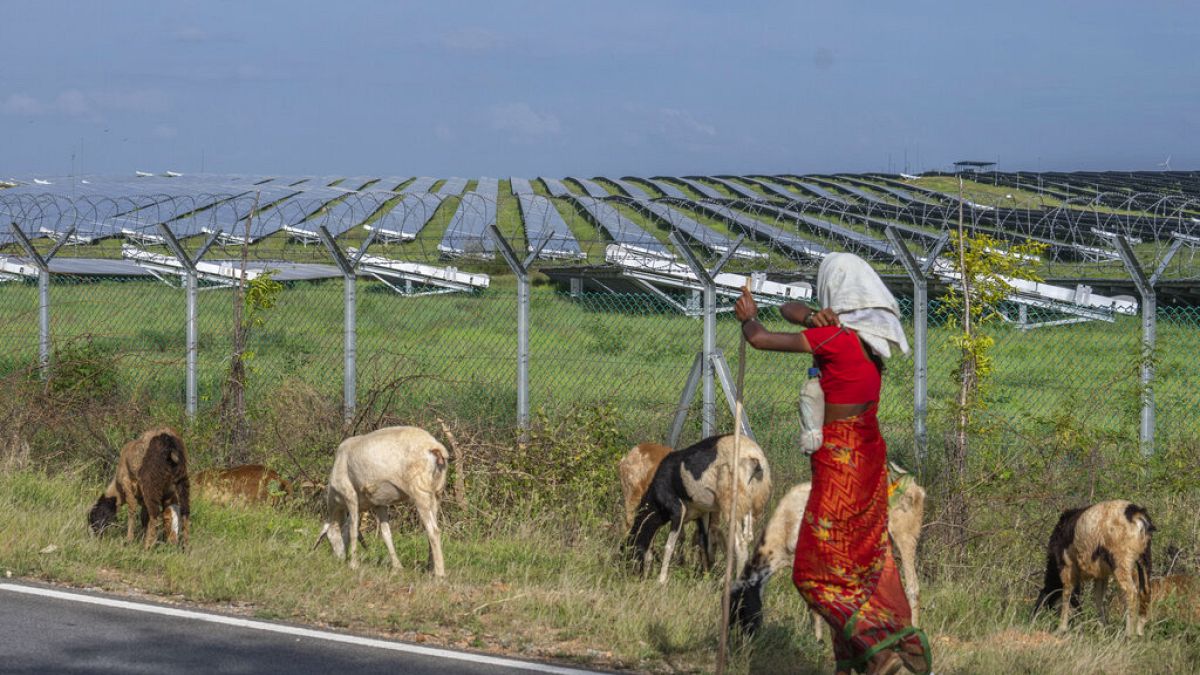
(47, 630)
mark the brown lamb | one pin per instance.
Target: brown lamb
(249, 484)
(151, 473)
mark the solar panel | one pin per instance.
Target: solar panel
(630, 189)
(488, 187)
(555, 187)
(452, 187)
(228, 217)
(692, 229)
(868, 245)
(815, 190)
(467, 233)
(775, 189)
(385, 185)
(789, 242)
(421, 184)
(520, 186)
(405, 220)
(737, 188)
(706, 191)
(544, 222)
(618, 227)
(592, 188)
(666, 188)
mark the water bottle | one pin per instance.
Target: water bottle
(812, 412)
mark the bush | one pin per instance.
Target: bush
(82, 370)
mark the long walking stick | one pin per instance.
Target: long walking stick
(737, 457)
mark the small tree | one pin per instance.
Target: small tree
(984, 267)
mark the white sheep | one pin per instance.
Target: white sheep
(694, 483)
(777, 548)
(1108, 539)
(374, 471)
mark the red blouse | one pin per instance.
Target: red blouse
(847, 375)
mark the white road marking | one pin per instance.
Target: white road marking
(292, 630)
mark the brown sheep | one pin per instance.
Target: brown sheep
(151, 473)
(1108, 539)
(777, 548)
(636, 470)
(249, 483)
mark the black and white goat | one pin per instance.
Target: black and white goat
(1108, 539)
(694, 483)
(777, 548)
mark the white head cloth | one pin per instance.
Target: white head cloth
(847, 285)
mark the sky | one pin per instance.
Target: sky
(564, 87)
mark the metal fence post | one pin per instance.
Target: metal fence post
(190, 285)
(43, 264)
(920, 277)
(521, 270)
(348, 266)
(1145, 286)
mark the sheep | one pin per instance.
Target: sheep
(1108, 539)
(249, 483)
(152, 473)
(777, 548)
(636, 470)
(374, 471)
(694, 483)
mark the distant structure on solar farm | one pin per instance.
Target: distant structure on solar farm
(606, 234)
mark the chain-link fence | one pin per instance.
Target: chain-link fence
(606, 326)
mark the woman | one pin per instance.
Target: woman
(844, 567)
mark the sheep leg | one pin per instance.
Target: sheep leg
(906, 544)
(427, 509)
(1128, 585)
(352, 528)
(669, 549)
(1067, 574)
(385, 529)
(171, 523)
(154, 512)
(1098, 589)
(642, 535)
(130, 519)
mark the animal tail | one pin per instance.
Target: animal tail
(439, 458)
(1138, 516)
(170, 448)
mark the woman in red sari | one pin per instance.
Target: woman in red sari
(844, 567)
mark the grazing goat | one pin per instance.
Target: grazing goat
(777, 548)
(694, 483)
(376, 470)
(249, 483)
(1108, 539)
(151, 473)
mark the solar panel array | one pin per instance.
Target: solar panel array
(687, 226)
(405, 220)
(667, 188)
(555, 187)
(592, 188)
(520, 186)
(452, 187)
(619, 228)
(630, 188)
(467, 233)
(705, 191)
(543, 222)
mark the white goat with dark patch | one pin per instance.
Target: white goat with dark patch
(695, 483)
(1108, 539)
(777, 548)
(374, 471)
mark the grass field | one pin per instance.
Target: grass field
(532, 552)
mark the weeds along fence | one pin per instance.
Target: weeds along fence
(517, 311)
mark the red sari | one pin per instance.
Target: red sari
(844, 567)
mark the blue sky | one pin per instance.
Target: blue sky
(605, 88)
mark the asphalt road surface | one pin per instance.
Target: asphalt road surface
(50, 630)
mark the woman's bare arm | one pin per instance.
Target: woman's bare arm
(761, 338)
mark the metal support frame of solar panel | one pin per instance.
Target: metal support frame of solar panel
(631, 190)
(520, 186)
(737, 188)
(452, 187)
(555, 187)
(543, 222)
(619, 228)
(405, 220)
(667, 188)
(790, 243)
(592, 188)
(419, 184)
(706, 191)
(467, 234)
(689, 227)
